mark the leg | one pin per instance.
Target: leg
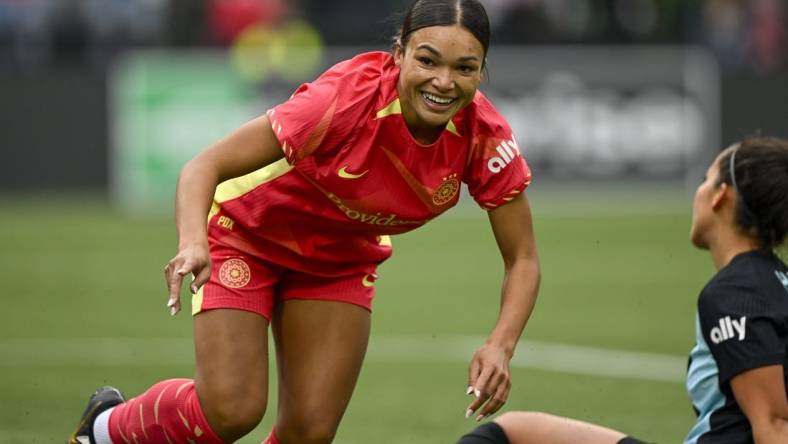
(225, 401)
(542, 428)
(232, 370)
(320, 346)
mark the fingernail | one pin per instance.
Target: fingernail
(194, 289)
(468, 413)
(479, 418)
(171, 302)
(173, 311)
(477, 393)
(469, 391)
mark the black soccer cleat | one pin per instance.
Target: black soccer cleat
(102, 399)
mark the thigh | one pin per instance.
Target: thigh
(320, 347)
(231, 352)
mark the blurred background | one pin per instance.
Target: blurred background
(605, 84)
(618, 105)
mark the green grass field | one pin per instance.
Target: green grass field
(84, 305)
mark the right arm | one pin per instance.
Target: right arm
(251, 147)
(760, 393)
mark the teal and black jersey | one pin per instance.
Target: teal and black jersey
(741, 324)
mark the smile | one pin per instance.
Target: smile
(437, 99)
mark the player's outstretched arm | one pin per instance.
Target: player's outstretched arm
(488, 377)
(761, 395)
(250, 147)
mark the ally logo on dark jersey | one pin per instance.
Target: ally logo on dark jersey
(729, 328)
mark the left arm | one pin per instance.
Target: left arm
(489, 376)
(760, 393)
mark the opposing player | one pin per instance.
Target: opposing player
(739, 365)
(300, 203)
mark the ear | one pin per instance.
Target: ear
(723, 193)
(399, 53)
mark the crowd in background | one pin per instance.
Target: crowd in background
(744, 34)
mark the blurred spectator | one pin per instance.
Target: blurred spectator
(725, 31)
(769, 33)
(228, 18)
(746, 33)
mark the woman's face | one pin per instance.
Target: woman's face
(440, 70)
(706, 198)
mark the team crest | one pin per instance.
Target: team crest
(447, 190)
(234, 273)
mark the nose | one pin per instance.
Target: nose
(443, 80)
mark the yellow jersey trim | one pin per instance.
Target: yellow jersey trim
(395, 107)
(197, 302)
(390, 109)
(452, 128)
(237, 187)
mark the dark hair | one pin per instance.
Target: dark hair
(757, 168)
(470, 14)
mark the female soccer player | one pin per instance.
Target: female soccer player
(738, 367)
(299, 204)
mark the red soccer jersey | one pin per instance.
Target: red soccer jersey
(352, 173)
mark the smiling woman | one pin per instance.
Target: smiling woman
(436, 84)
(441, 51)
(300, 204)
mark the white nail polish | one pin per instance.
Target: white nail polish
(468, 413)
(173, 311)
(477, 392)
(171, 302)
(479, 418)
(469, 391)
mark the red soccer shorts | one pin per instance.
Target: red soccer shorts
(244, 282)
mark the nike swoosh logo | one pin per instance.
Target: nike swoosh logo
(367, 282)
(342, 172)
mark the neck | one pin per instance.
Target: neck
(729, 244)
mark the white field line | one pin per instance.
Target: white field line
(129, 352)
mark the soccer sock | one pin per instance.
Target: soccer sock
(169, 412)
(101, 427)
(271, 438)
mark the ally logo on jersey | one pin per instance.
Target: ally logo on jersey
(507, 151)
(729, 328)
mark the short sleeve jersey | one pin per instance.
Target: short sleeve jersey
(741, 324)
(353, 174)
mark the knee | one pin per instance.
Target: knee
(307, 429)
(232, 417)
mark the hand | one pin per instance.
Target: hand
(191, 259)
(488, 380)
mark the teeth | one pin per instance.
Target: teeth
(436, 99)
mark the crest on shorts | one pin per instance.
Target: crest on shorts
(234, 273)
(447, 190)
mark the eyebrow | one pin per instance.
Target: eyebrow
(438, 54)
